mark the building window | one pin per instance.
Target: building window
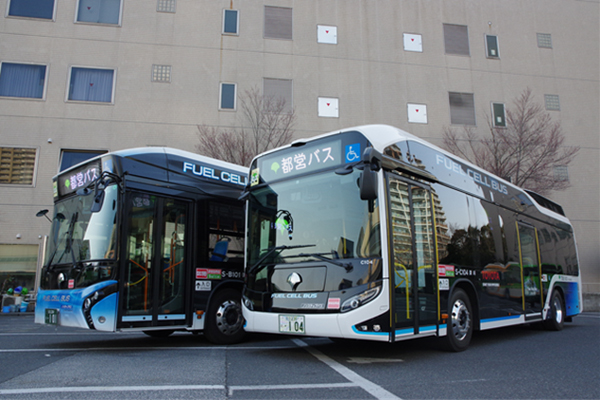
(561, 173)
(17, 165)
(69, 158)
(227, 96)
(456, 39)
(18, 263)
(491, 46)
(417, 113)
(278, 23)
(99, 11)
(167, 6)
(161, 73)
(544, 40)
(91, 84)
(279, 90)
(499, 115)
(22, 80)
(230, 22)
(413, 42)
(462, 108)
(326, 34)
(552, 102)
(329, 107)
(43, 9)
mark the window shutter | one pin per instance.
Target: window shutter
(279, 89)
(462, 108)
(278, 23)
(456, 39)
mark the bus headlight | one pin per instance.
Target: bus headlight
(360, 299)
(248, 303)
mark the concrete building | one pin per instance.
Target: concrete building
(81, 76)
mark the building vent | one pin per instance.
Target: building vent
(161, 73)
(544, 40)
(166, 6)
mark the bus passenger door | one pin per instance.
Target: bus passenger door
(531, 287)
(411, 214)
(153, 290)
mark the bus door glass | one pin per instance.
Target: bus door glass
(413, 248)
(154, 290)
(530, 267)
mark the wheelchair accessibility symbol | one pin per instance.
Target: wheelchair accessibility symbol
(353, 152)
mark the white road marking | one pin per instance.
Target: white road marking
(370, 387)
(296, 386)
(368, 360)
(75, 389)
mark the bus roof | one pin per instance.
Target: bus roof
(382, 136)
(161, 164)
(141, 152)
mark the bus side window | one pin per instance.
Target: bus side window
(226, 232)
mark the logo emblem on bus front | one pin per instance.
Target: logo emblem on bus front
(294, 280)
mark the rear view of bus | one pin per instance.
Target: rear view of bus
(372, 233)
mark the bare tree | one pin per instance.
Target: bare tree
(525, 152)
(266, 123)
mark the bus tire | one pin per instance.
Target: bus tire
(159, 334)
(224, 320)
(555, 319)
(460, 322)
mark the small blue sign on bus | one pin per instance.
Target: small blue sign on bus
(352, 153)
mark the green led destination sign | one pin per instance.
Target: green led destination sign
(301, 160)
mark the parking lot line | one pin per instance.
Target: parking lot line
(370, 387)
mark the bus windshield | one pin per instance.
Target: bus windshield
(311, 217)
(79, 235)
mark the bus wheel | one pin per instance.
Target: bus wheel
(159, 334)
(460, 322)
(224, 320)
(555, 319)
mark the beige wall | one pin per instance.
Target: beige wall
(368, 70)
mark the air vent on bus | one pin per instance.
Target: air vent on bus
(546, 203)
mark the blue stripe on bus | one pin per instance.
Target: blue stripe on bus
(369, 333)
(501, 318)
(399, 331)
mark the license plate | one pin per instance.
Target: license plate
(51, 316)
(292, 324)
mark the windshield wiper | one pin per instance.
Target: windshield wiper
(256, 267)
(347, 266)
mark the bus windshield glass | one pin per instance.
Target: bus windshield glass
(318, 216)
(78, 235)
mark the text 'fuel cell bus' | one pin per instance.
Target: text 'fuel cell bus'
(147, 239)
(373, 233)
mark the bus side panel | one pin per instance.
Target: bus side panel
(104, 313)
(570, 291)
(69, 304)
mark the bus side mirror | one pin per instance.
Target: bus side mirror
(368, 178)
(98, 200)
(368, 184)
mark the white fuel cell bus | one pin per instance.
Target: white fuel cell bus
(372, 233)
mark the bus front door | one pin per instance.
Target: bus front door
(153, 277)
(415, 305)
(531, 288)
